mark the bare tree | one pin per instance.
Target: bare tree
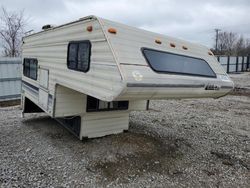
(226, 42)
(230, 43)
(240, 46)
(245, 50)
(11, 31)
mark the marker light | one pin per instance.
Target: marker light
(112, 30)
(157, 41)
(184, 48)
(89, 28)
(172, 45)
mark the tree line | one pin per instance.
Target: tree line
(230, 43)
(12, 26)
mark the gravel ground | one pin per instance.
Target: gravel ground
(241, 80)
(177, 143)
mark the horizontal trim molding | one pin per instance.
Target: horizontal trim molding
(165, 85)
(30, 85)
(134, 64)
(226, 87)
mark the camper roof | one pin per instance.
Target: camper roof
(91, 17)
(101, 20)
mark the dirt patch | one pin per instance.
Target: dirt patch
(241, 91)
(229, 159)
(150, 155)
(10, 103)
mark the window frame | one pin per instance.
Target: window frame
(76, 58)
(177, 73)
(97, 109)
(29, 67)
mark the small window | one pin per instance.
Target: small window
(167, 62)
(72, 61)
(94, 105)
(103, 105)
(122, 104)
(114, 104)
(79, 56)
(30, 68)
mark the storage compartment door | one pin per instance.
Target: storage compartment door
(43, 99)
(44, 78)
(43, 89)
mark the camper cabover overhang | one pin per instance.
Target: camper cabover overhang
(90, 73)
(155, 66)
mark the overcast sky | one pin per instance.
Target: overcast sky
(193, 20)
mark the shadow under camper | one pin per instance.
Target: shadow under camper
(90, 73)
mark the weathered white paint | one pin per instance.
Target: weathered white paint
(43, 99)
(44, 78)
(69, 102)
(116, 63)
(97, 124)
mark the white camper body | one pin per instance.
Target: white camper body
(89, 74)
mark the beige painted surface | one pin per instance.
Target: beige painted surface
(127, 44)
(115, 58)
(97, 124)
(69, 102)
(102, 81)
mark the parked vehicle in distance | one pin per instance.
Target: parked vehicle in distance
(90, 73)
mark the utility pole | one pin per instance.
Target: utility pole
(216, 39)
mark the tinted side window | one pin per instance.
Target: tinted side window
(33, 69)
(83, 56)
(72, 60)
(30, 68)
(26, 65)
(94, 105)
(122, 104)
(174, 63)
(79, 55)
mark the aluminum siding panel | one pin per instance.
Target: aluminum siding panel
(69, 102)
(102, 81)
(97, 124)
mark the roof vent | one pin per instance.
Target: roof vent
(48, 26)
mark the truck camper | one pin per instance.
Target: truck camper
(90, 73)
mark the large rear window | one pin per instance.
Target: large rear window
(167, 62)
